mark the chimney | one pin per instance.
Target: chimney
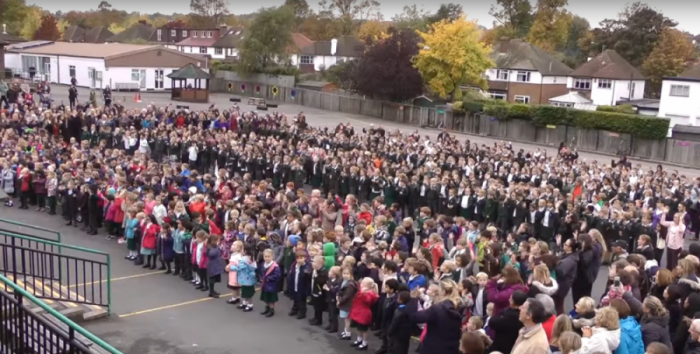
(334, 46)
(504, 44)
(4, 28)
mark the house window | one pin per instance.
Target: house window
(173, 33)
(582, 84)
(90, 71)
(680, 90)
(502, 75)
(306, 59)
(632, 87)
(194, 34)
(209, 34)
(202, 50)
(604, 83)
(522, 99)
(159, 33)
(135, 75)
(218, 51)
(563, 104)
(71, 71)
(184, 33)
(497, 95)
(523, 76)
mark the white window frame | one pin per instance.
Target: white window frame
(563, 104)
(219, 51)
(194, 34)
(309, 59)
(136, 75)
(202, 50)
(90, 71)
(679, 91)
(498, 96)
(159, 34)
(184, 33)
(604, 83)
(173, 33)
(633, 86)
(521, 99)
(208, 34)
(502, 75)
(582, 84)
(71, 71)
(525, 76)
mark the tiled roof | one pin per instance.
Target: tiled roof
(231, 39)
(692, 73)
(189, 71)
(198, 42)
(608, 65)
(518, 54)
(8, 38)
(300, 42)
(137, 31)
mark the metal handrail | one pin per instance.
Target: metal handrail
(17, 223)
(108, 280)
(72, 325)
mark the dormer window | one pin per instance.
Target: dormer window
(194, 34)
(184, 33)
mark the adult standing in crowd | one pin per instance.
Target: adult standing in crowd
(532, 338)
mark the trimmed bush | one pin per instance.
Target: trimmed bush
(498, 111)
(472, 107)
(639, 126)
(519, 111)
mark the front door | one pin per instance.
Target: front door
(143, 79)
(159, 79)
(47, 72)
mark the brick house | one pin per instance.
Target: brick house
(525, 73)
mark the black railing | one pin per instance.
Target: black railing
(49, 270)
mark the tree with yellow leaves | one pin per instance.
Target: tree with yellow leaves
(550, 30)
(116, 28)
(372, 32)
(31, 22)
(451, 55)
(668, 58)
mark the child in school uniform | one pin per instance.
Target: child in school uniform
(181, 235)
(165, 248)
(130, 229)
(346, 294)
(332, 287)
(215, 265)
(246, 268)
(271, 276)
(149, 240)
(199, 260)
(361, 311)
(399, 331)
(299, 284)
(234, 258)
(390, 286)
(319, 278)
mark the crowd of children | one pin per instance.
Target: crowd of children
(399, 236)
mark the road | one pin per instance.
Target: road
(156, 313)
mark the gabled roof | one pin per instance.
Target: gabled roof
(348, 46)
(137, 31)
(571, 97)
(520, 55)
(91, 35)
(692, 73)
(608, 65)
(189, 71)
(231, 39)
(8, 38)
(300, 42)
(197, 42)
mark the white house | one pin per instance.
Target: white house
(219, 44)
(118, 65)
(680, 98)
(607, 79)
(324, 54)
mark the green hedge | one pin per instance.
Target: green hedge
(639, 126)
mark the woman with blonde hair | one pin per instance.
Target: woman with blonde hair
(687, 278)
(442, 321)
(605, 336)
(584, 315)
(655, 322)
(561, 325)
(569, 343)
(541, 282)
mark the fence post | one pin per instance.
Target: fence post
(20, 322)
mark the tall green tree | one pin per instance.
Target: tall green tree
(350, 13)
(668, 58)
(447, 12)
(574, 53)
(634, 34)
(515, 16)
(267, 40)
(411, 17)
(302, 11)
(550, 29)
(213, 11)
(48, 30)
(12, 13)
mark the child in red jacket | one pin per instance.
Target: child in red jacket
(361, 311)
